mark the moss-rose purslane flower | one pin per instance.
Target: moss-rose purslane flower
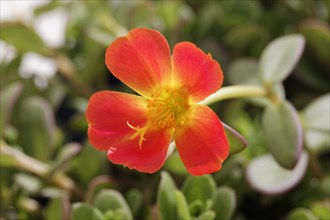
(137, 130)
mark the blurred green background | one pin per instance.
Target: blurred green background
(52, 60)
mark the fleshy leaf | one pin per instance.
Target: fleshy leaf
(85, 211)
(316, 117)
(28, 182)
(280, 57)
(196, 208)
(109, 199)
(317, 37)
(224, 203)
(266, 176)
(199, 188)
(283, 133)
(301, 214)
(8, 97)
(166, 203)
(321, 209)
(237, 142)
(113, 215)
(12, 32)
(325, 185)
(317, 141)
(134, 199)
(246, 36)
(208, 215)
(182, 206)
(37, 123)
(317, 114)
(87, 154)
(56, 209)
(244, 71)
(174, 165)
(65, 154)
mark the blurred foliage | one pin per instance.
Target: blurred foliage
(50, 171)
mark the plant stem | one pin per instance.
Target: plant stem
(230, 92)
(15, 158)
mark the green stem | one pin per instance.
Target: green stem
(230, 92)
(15, 158)
(315, 165)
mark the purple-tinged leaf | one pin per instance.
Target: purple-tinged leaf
(280, 57)
(265, 175)
(283, 133)
(236, 141)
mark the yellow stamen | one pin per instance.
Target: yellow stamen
(138, 132)
(165, 107)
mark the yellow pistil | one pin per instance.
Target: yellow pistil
(165, 106)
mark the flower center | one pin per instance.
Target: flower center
(165, 107)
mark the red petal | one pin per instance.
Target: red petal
(196, 70)
(148, 158)
(201, 141)
(141, 59)
(108, 113)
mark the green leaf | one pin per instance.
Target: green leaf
(246, 36)
(85, 211)
(64, 156)
(317, 141)
(325, 185)
(175, 165)
(266, 176)
(196, 208)
(283, 133)
(37, 127)
(321, 210)
(317, 114)
(244, 71)
(134, 199)
(316, 117)
(109, 215)
(28, 182)
(208, 215)
(12, 32)
(317, 34)
(199, 188)
(236, 141)
(181, 206)
(280, 57)
(118, 214)
(172, 12)
(301, 214)
(8, 158)
(108, 199)
(207, 16)
(166, 203)
(224, 203)
(55, 209)
(89, 153)
(8, 98)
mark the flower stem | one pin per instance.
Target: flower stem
(230, 92)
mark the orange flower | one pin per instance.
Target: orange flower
(137, 130)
